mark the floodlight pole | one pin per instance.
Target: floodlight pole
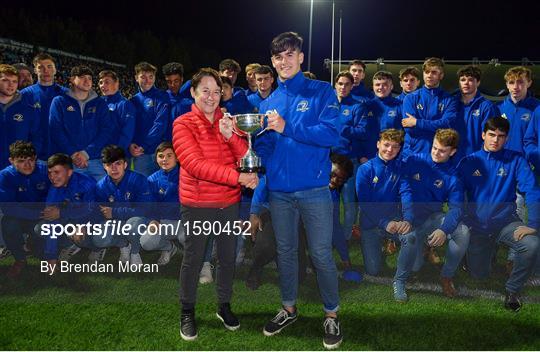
(332, 56)
(310, 34)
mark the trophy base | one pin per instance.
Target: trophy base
(246, 169)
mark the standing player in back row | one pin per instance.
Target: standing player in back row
(426, 110)
(303, 114)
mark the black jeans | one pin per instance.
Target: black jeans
(193, 220)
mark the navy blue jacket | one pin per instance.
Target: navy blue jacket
(433, 108)
(153, 121)
(238, 104)
(23, 196)
(19, 120)
(433, 184)
(360, 93)
(164, 189)
(76, 200)
(299, 158)
(381, 193)
(73, 129)
(350, 134)
(42, 97)
(123, 198)
(123, 113)
(491, 180)
(519, 116)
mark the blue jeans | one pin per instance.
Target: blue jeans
(95, 169)
(160, 240)
(458, 241)
(350, 202)
(314, 206)
(109, 239)
(371, 242)
(481, 249)
(145, 164)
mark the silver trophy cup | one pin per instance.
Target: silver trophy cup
(246, 125)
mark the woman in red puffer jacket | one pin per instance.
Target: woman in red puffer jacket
(208, 152)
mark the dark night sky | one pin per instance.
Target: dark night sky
(401, 29)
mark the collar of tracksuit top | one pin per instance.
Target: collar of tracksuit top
(292, 86)
(165, 182)
(91, 96)
(113, 99)
(16, 98)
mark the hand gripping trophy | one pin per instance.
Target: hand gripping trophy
(246, 125)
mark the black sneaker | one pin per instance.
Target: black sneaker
(512, 301)
(188, 328)
(332, 333)
(230, 321)
(281, 320)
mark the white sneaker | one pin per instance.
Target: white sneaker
(167, 255)
(205, 277)
(135, 259)
(4, 252)
(66, 253)
(97, 256)
(240, 256)
(533, 281)
(125, 253)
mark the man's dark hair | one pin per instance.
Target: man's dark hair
(286, 41)
(22, 66)
(380, 75)
(264, 70)
(144, 66)
(60, 159)
(345, 74)
(173, 68)
(470, 71)
(343, 163)
(81, 70)
(409, 70)
(112, 153)
(164, 146)
(41, 57)
(226, 80)
(229, 64)
(497, 123)
(357, 62)
(22, 149)
(108, 73)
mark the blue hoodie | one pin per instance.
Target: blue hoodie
(124, 119)
(376, 115)
(518, 114)
(42, 97)
(349, 110)
(123, 198)
(19, 120)
(470, 123)
(433, 184)
(360, 93)
(238, 104)
(79, 126)
(76, 200)
(491, 180)
(381, 190)
(531, 141)
(164, 189)
(23, 196)
(153, 118)
(433, 108)
(299, 158)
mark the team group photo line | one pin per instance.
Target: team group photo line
(290, 168)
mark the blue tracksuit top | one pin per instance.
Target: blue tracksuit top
(76, 200)
(433, 108)
(376, 115)
(401, 97)
(173, 98)
(181, 107)
(531, 141)
(350, 135)
(123, 112)
(470, 123)
(381, 190)
(75, 126)
(490, 180)
(299, 158)
(360, 93)
(518, 114)
(164, 189)
(255, 100)
(42, 97)
(153, 121)
(19, 120)
(123, 198)
(433, 184)
(238, 104)
(23, 196)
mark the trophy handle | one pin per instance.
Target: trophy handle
(262, 124)
(235, 131)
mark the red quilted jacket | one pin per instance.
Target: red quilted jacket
(208, 176)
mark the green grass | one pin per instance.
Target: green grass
(140, 312)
